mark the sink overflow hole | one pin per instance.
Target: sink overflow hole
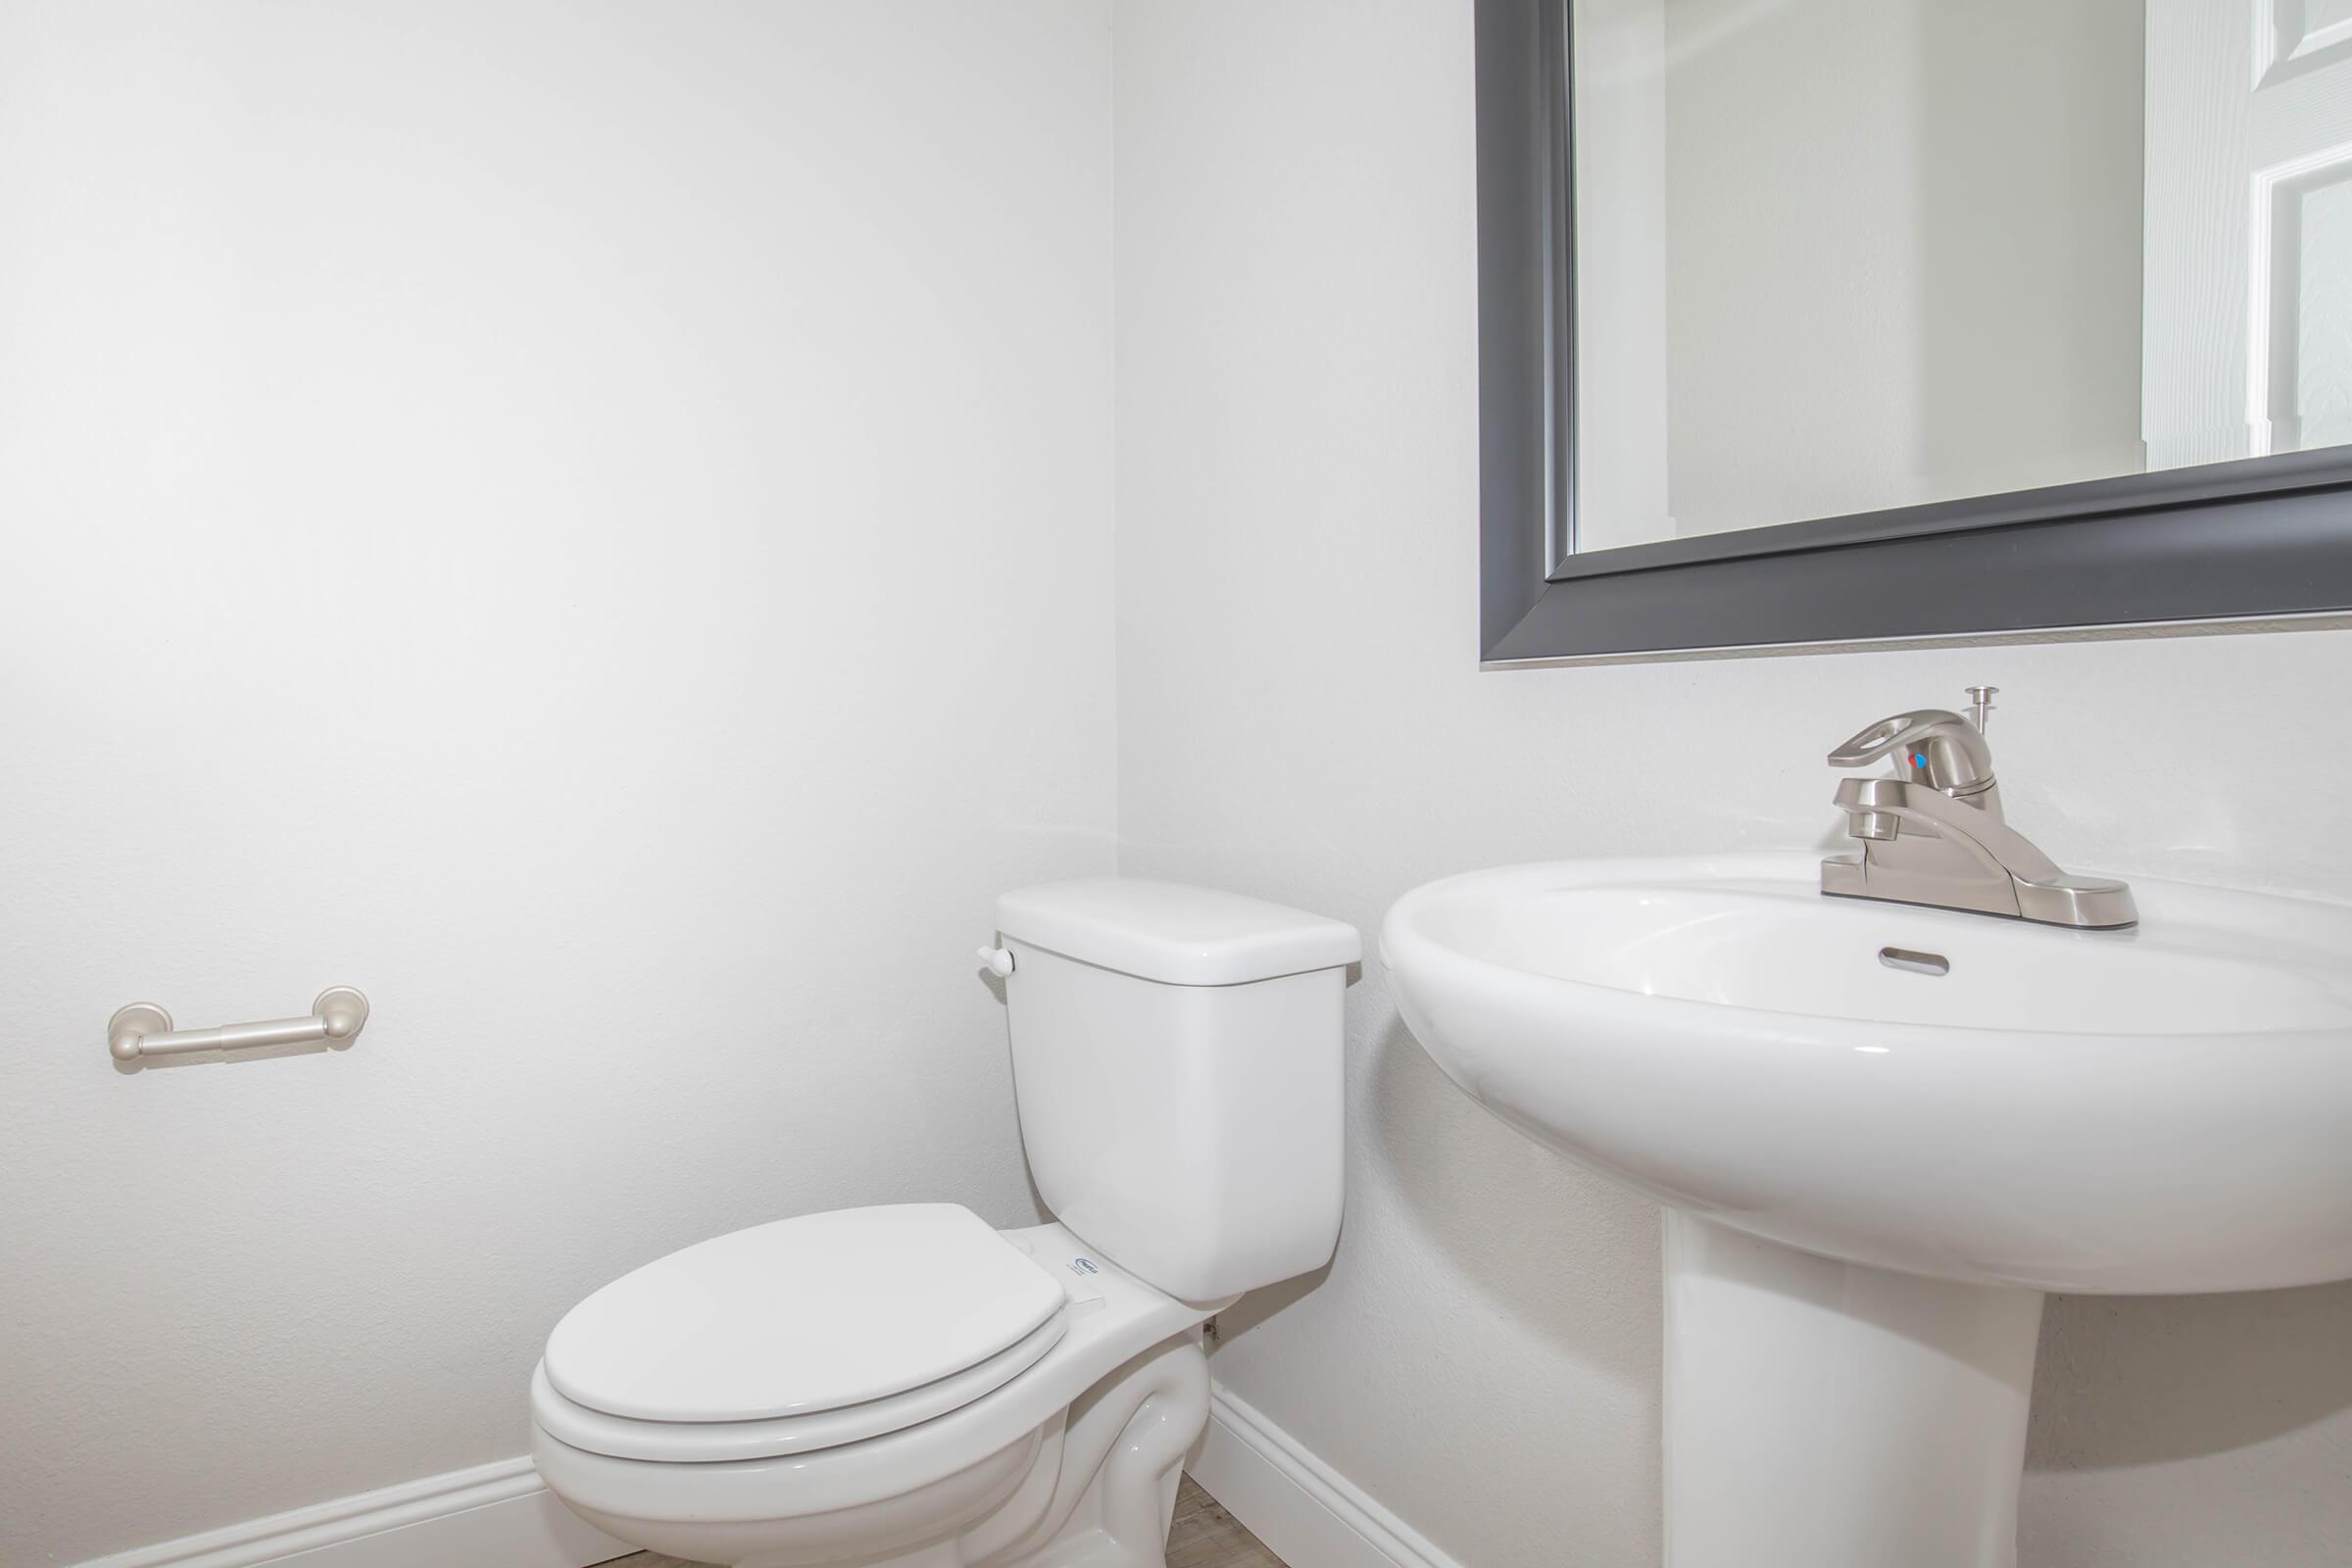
(1915, 962)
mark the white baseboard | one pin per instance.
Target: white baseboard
(502, 1516)
(492, 1516)
(1307, 1513)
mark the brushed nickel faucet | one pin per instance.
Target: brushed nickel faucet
(1933, 833)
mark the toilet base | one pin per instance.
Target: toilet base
(1093, 1488)
(1122, 1457)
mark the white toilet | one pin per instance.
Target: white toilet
(903, 1385)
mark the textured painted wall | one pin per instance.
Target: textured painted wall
(1302, 718)
(588, 522)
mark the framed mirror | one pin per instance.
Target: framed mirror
(1850, 320)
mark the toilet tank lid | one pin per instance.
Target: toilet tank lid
(1173, 933)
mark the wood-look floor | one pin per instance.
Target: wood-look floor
(1204, 1535)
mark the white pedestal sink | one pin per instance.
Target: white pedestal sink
(1881, 1132)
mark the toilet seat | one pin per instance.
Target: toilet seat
(798, 1335)
(711, 1441)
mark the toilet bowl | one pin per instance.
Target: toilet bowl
(796, 1490)
(903, 1385)
(888, 1480)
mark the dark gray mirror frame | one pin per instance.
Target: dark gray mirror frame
(2258, 539)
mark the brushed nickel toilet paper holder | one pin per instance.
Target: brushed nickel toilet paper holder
(143, 1030)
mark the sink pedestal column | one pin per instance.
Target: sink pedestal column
(1822, 1414)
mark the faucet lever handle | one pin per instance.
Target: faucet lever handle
(1893, 734)
(1931, 746)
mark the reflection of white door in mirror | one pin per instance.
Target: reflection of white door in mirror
(2247, 346)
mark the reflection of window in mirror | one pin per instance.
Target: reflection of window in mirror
(1837, 256)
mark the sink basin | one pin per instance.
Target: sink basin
(1881, 1131)
(2162, 1109)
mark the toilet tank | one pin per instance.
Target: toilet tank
(1176, 1057)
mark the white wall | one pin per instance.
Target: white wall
(1301, 717)
(588, 522)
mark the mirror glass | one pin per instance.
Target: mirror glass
(1838, 256)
